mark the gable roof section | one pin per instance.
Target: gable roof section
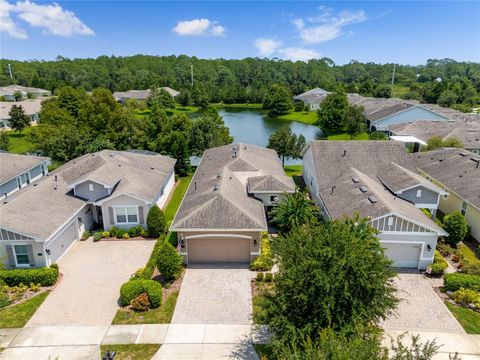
(271, 183)
(388, 111)
(12, 165)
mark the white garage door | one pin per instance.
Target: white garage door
(62, 242)
(403, 255)
(218, 250)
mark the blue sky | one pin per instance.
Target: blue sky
(402, 32)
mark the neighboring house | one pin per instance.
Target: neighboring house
(8, 92)
(31, 107)
(222, 215)
(121, 96)
(418, 133)
(105, 189)
(312, 98)
(458, 172)
(370, 178)
(18, 171)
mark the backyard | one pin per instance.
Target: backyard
(19, 141)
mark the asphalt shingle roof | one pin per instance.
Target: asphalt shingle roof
(12, 165)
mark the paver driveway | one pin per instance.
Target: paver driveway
(93, 274)
(420, 308)
(215, 294)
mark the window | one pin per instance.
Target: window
(463, 210)
(273, 198)
(21, 254)
(126, 214)
(419, 193)
(90, 187)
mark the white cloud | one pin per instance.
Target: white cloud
(327, 25)
(52, 19)
(199, 27)
(298, 54)
(267, 47)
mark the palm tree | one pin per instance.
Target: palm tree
(292, 211)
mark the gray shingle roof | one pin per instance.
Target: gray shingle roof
(456, 169)
(397, 178)
(271, 183)
(11, 89)
(388, 111)
(12, 165)
(29, 106)
(217, 197)
(141, 94)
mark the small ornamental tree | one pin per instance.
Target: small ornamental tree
(18, 119)
(169, 261)
(4, 141)
(156, 223)
(456, 226)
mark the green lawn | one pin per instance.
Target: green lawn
(131, 351)
(399, 91)
(468, 255)
(239, 106)
(469, 319)
(17, 316)
(363, 136)
(19, 142)
(306, 117)
(293, 170)
(177, 197)
(160, 315)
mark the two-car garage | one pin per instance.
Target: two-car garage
(403, 254)
(203, 249)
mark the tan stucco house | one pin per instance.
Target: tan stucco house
(222, 215)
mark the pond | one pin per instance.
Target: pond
(255, 127)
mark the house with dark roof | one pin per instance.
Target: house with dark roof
(222, 215)
(457, 171)
(312, 98)
(104, 189)
(370, 178)
(19, 171)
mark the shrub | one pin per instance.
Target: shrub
(133, 288)
(34, 287)
(259, 276)
(299, 105)
(4, 299)
(268, 277)
(456, 226)
(467, 297)
(439, 265)
(455, 281)
(150, 267)
(86, 234)
(141, 303)
(120, 233)
(169, 261)
(105, 234)
(126, 236)
(265, 261)
(97, 236)
(472, 269)
(156, 223)
(113, 231)
(176, 177)
(54, 266)
(445, 249)
(377, 136)
(43, 276)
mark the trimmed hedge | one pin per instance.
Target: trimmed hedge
(43, 276)
(439, 264)
(265, 261)
(169, 262)
(456, 281)
(133, 288)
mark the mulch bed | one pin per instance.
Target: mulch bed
(168, 287)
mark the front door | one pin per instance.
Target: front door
(99, 215)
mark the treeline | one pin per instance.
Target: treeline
(247, 80)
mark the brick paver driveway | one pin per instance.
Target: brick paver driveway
(215, 294)
(420, 308)
(93, 274)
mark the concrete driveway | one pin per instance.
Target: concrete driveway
(420, 307)
(92, 276)
(215, 294)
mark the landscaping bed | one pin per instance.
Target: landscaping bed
(16, 316)
(260, 287)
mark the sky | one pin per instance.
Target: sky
(408, 32)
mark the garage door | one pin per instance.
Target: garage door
(62, 243)
(218, 250)
(403, 255)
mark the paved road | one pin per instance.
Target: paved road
(92, 276)
(215, 294)
(420, 308)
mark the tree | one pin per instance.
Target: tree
(456, 226)
(4, 141)
(161, 98)
(447, 98)
(175, 144)
(331, 275)
(17, 118)
(299, 105)
(169, 261)
(18, 95)
(156, 223)
(184, 98)
(377, 135)
(199, 96)
(208, 131)
(278, 100)
(292, 211)
(286, 143)
(436, 142)
(332, 112)
(354, 121)
(383, 91)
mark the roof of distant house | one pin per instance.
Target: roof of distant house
(12, 89)
(30, 107)
(218, 197)
(141, 94)
(13, 165)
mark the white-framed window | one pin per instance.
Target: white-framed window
(419, 193)
(463, 209)
(21, 255)
(90, 187)
(126, 214)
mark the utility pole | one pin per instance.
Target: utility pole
(191, 76)
(393, 74)
(10, 71)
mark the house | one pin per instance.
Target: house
(8, 92)
(457, 171)
(140, 95)
(418, 133)
(371, 178)
(103, 189)
(19, 171)
(222, 215)
(31, 107)
(312, 98)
